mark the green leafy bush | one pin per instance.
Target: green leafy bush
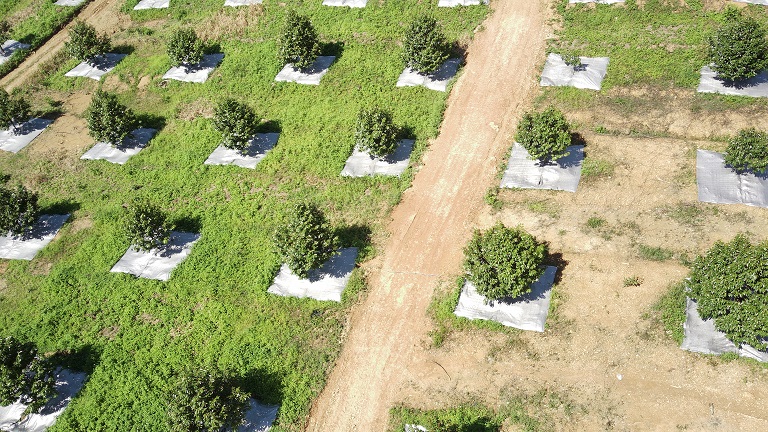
(545, 135)
(205, 400)
(748, 150)
(730, 285)
(14, 111)
(5, 33)
(237, 123)
(299, 44)
(503, 262)
(18, 210)
(85, 44)
(375, 132)
(185, 48)
(425, 48)
(571, 59)
(738, 49)
(108, 119)
(147, 226)
(24, 375)
(305, 241)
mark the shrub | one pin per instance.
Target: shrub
(205, 400)
(730, 285)
(503, 262)
(305, 241)
(738, 49)
(85, 44)
(5, 33)
(185, 48)
(424, 46)
(299, 44)
(14, 111)
(545, 135)
(25, 376)
(147, 226)
(375, 132)
(571, 59)
(237, 123)
(18, 210)
(748, 150)
(109, 120)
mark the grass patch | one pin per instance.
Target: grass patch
(632, 281)
(669, 312)
(545, 207)
(654, 253)
(594, 169)
(595, 222)
(688, 214)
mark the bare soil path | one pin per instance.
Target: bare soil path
(433, 221)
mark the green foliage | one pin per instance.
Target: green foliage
(748, 150)
(739, 48)
(730, 285)
(185, 48)
(14, 111)
(633, 281)
(85, 44)
(299, 44)
(146, 226)
(108, 119)
(593, 169)
(571, 59)
(595, 222)
(545, 135)
(465, 418)
(237, 123)
(5, 33)
(425, 47)
(305, 241)
(24, 375)
(205, 400)
(654, 253)
(375, 132)
(503, 262)
(670, 311)
(18, 210)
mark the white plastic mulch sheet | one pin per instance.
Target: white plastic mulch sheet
(152, 4)
(261, 144)
(757, 2)
(702, 337)
(437, 80)
(26, 247)
(258, 418)
(9, 141)
(197, 73)
(362, 164)
(454, 3)
(69, 2)
(311, 76)
(104, 64)
(528, 312)
(9, 47)
(235, 3)
(67, 385)
(120, 154)
(157, 263)
(414, 428)
(348, 3)
(325, 283)
(722, 185)
(524, 172)
(596, 1)
(754, 87)
(589, 76)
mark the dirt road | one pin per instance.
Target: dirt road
(434, 221)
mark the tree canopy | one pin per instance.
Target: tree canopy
(738, 49)
(425, 48)
(545, 135)
(305, 241)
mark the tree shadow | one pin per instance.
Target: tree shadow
(406, 131)
(556, 259)
(358, 236)
(83, 358)
(578, 139)
(265, 386)
(335, 48)
(270, 126)
(61, 207)
(123, 49)
(151, 121)
(191, 224)
(212, 48)
(457, 50)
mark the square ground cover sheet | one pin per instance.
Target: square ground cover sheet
(132, 144)
(311, 76)
(524, 172)
(325, 283)
(258, 417)
(152, 4)
(261, 144)
(69, 2)
(27, 246)
(13, 142)
(437, 80)
(720, 184)
(9, 47)
(753, 87)
(236, 3)
(197, 73)
(348, 3)
(103, 65)
(589, 76)
(157, 263)
(528, 312)
(362, 164)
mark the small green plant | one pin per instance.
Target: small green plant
(14, 112)
(185, 48)
(633, 281)
(18, 210)
(492, 198)
(299, 44)
(375, 132)
(545, 135)
(108, 119)
(305, 241)
(595, 222)
(738, 49)
(571, 59)
(5, 33)
(503, 262)
(147, 226)
(237, 123)
(593, 169)
(25, 375)
(205, 400)
(85, 44)
(425, 48)
(748, 151)
(652, 253)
